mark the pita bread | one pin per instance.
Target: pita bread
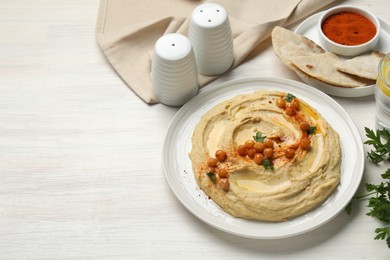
(287, 44)
(365, 66)
(309, 60)
(323, 67)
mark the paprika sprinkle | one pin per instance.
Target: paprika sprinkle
(348, 28)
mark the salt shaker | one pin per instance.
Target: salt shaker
(211, 36)
(174, 70)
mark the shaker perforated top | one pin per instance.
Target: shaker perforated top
(209, 15)
(173, 46)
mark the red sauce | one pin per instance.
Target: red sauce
(348, 28)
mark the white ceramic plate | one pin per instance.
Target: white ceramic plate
(308, 28)
(178, 167)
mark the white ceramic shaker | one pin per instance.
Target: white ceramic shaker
(174, 71)
(211, 37)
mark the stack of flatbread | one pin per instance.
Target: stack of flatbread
(308, 59)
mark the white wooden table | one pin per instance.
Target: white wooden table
(80, 154)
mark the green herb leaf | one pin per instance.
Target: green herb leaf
(259, 137)
(212, 177)
(384, 234)
(311, 130)
(386, 175)
(370, 187)
(267, 163)
(379, 194)
(380, 140)
(289, 97)
(348, 208)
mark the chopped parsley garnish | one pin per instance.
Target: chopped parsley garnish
(289, 97)
(212, 177)
(267, 163)
(311, 130)
(259, 137)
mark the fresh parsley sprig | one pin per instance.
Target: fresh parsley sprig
(382, 233)
(379, 200)
(380, 140)
(379, 205)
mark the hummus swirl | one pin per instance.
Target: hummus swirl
(291, 185)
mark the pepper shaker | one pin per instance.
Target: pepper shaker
(174, 71)
(211, 36)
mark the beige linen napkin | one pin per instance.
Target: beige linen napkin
(127, 30)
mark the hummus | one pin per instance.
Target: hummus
(266, 156)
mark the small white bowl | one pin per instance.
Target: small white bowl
(348, 50)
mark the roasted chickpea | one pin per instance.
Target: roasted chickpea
(290, 111)
(295, 104)
(223, 173)
(252, 152)
(259, 147)
(221, 155)
(258, 158)
(212, 169)
(269, 143)
(268, 153)
(289, 153)
(281, 103)
(242, 150)
(249, 144)
(304, 126)
(212, 162)
(223, 184)
(305, 143)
